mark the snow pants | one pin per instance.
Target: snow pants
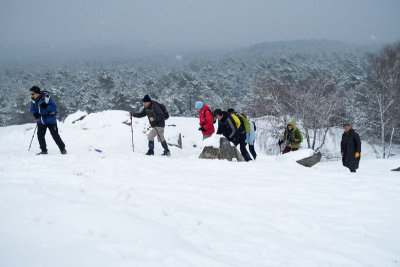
(54, 133)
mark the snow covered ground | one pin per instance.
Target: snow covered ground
(119, 208)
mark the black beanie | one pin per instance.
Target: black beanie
(146, 98)
(231, 110)
(35, 89)
(218, 111)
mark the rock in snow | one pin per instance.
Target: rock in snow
(225, 150)
(310, 161)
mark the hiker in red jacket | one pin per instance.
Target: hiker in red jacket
(206, 119)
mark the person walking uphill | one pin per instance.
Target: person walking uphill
(250, 131)
(233, 130)
(350, 148)
(292, 137)
(44, 110)
(206, 119)
(154, 112)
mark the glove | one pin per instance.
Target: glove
(202, 129)
(280, 142)
(357, 155)
(291, 140)
(36, 115)
(341, 153)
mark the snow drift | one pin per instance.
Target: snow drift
(119, 208)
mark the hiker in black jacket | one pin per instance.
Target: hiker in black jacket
(350, 148)
(156, 118)
(234, 132)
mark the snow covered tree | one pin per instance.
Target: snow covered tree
(312, 101)
(316, 104)
(377, 100)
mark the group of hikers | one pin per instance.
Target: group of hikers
(236, 127)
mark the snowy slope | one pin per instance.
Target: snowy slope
(119, 208)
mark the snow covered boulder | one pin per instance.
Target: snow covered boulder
(311, 160)
(216, 147)
(305, 157)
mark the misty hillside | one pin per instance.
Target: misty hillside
(319, 83)
(225, 79)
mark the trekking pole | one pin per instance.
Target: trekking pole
(32, 138)
(133, 146)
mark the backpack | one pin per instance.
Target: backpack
(254, 124)
(214, 117)
(163, 109)
(245, 121)
(236, 120)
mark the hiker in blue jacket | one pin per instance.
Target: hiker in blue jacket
(44, 110)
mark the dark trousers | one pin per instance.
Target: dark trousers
(243, 149)
(54, 133)
(252, 151)
(288, 149)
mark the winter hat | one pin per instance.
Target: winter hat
(146, 98)
(231, 110)
(218, 111)
(35, 89)
(198, 104)
(346, 124)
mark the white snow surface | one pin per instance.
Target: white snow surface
(212, 141)
(122, 208)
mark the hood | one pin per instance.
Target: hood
(293, 123)
(46, 93)
(44, 97)
(205, 108)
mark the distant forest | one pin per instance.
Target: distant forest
(349, 81)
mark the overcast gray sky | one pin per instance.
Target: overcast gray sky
(195, 23)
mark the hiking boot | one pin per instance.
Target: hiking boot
(63, 151)
(247, 157)
(150, 152)
(42, 153)
(166, 153)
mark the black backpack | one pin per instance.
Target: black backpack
(164, 110)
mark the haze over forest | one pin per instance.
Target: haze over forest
(45, 27)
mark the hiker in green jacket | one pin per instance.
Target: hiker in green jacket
(292, 137)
